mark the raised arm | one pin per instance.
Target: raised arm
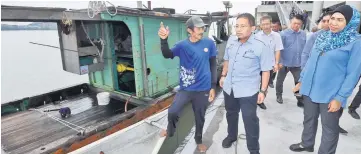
(166, 51)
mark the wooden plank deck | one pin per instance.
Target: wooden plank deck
(34, 132)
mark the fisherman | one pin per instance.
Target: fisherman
(309, 44)
(335, 57)
(274, 41)
(293, 39)
(198, 76)
(244, 58)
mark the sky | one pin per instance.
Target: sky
(202, 6)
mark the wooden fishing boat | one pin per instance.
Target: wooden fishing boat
(119, 49)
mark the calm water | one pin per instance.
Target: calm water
(28, 69)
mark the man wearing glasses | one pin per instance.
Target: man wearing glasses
(244, 58)
(293, 39)
(274, 41)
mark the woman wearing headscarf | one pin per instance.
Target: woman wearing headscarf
(328, 79)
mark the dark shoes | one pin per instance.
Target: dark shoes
(262, 106)
(271, 85)
(227, 142)
(300, 104)
(342, 131)
(299, 148)
(353, 114)
(279, 99)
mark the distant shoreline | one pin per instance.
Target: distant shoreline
(25, 29)
(32, 26)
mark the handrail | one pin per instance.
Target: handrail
(282, 14)
(299, 10)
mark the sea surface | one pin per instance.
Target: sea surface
(28, 69)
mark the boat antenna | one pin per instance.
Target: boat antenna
(228, 5)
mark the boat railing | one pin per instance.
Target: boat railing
(299, 10)
(282, 14)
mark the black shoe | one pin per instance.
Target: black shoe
(271, 85)
(279, 99)
(353, 114)
(300, 104)
(226, 143)
(262, 106)
(299, 148)
(342, 131)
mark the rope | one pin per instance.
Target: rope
(98, 6)
(88, 37)
(65, 123)
(126, 103)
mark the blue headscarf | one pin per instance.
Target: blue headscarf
(327, 40)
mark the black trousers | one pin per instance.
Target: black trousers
(272, 77)
(199, 104)
(248, 106)
(356, 101)
(330, 126)
(282, 73)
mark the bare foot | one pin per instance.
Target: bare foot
(163, 133)
(202, 148)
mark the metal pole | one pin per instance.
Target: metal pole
(139, 4)
(150, 5)
(316, 10)
(143, 57)
(228, 5)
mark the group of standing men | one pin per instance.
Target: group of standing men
(250, 65)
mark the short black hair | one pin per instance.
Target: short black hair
(329, 13)
(298, 16)
(249, 17)
(276, 22)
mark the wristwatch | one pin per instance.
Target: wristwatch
(263, 91)
(223, 75)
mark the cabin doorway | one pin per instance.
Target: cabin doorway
(124, 57)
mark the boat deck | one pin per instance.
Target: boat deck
(35, 132)
(280, 126)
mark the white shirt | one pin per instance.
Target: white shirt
(274, 39)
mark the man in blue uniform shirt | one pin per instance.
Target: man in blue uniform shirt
(293, 39)
(198, 76)
(274, 42)
(244, 58)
